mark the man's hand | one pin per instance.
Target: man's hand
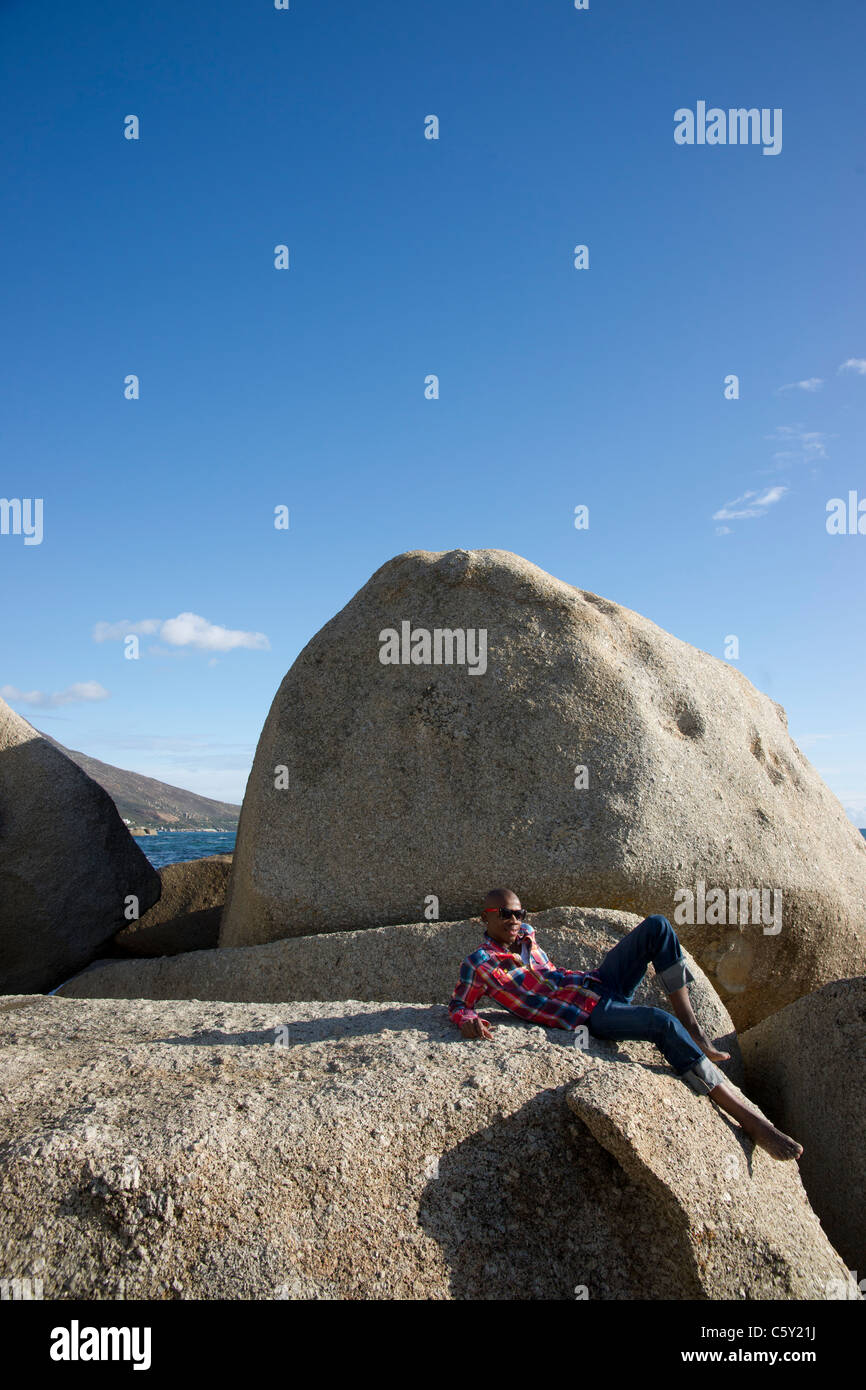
(477, 1028)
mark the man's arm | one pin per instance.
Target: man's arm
(469, 989)
(562, 978)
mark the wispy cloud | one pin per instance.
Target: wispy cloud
(812, 383)
(73, 694)
(186, 630)
(750, 504)
(854, 364)
(799, 445)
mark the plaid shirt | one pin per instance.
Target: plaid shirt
(526, 983)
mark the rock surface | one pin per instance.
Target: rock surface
(363, 1150)
(417, 963)
(376, 785)
(68, 864)
(187, 916)
(806, 1066)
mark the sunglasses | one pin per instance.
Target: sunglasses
(506, 912)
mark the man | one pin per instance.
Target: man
(512, 968)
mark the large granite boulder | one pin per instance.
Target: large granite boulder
(187, 916)
(417, 963)
(69, 868)
(376, 784)
(806, 1066)
(365, 1151)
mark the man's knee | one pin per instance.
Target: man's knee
(663, 1025)
(657, 925)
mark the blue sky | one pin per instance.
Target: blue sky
(408, 256)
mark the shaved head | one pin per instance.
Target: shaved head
(500, 897)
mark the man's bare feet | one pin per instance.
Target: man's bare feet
(759, 1129)
(695, 1031)
(768, 1137)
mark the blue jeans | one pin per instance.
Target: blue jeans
(615, 1017)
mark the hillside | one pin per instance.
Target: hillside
(149, 804)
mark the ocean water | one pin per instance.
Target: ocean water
(170, 846)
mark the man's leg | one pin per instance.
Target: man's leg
(654, 940)
(619, 1021)
(682, 1007)
(756, 1126)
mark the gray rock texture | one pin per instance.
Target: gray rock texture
(68, 864)
(417, 963)
(363, 1150)
(375, 785)
(187, 916)
(806, 1066)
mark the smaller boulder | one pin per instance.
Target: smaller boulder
(187, 916)
(804, 1066)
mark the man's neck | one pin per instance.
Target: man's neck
(508, 945)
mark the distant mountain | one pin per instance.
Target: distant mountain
(152, 805)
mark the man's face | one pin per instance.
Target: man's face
(503, 930)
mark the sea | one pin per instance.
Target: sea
(170, 846)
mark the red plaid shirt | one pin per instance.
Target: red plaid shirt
(525, 981)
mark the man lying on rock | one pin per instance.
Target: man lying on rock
(511, 967)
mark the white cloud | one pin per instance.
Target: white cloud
(854, 364)
(723, 530)
(73, 694)
(189, 630)
(757, 504)
(812, 383)
(186, 630)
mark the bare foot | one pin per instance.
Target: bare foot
(768, 1137)
(695, 1031)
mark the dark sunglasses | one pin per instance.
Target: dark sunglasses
(506, 912)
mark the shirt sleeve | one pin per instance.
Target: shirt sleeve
(574, 979)
(469, 989)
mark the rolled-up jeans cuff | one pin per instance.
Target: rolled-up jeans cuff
(675, 976)
(703, 1077)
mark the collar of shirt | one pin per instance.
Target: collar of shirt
(525, 934)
